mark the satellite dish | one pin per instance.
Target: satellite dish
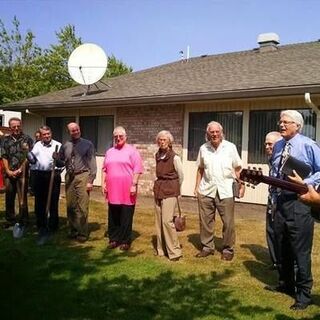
(87, 64)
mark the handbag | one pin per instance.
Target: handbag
(180, 220)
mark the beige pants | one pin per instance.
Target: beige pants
(207, 210)
(167, 237)
(77, 198)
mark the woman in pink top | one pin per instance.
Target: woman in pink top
(122, 167)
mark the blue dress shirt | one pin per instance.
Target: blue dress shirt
(303, 149)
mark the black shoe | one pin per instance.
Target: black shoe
(204, 253)
(81, 238)
(176, 259)
(113, 245)
(8, 225)
(281, 289)
(299, 306)
(124, 247)
(227, 254)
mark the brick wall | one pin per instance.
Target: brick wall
(142, 125)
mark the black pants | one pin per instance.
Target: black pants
(41, 188)
(294, 235)
(16, 186)
(270, 235)
(120, 218)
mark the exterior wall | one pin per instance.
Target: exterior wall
(142, 125)
(252, 195)
(144, 122)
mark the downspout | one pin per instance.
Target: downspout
(307, 99)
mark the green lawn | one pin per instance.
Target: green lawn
(67, 280)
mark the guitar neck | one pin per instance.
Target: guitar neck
(283, 184)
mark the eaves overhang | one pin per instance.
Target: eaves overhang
(167, 99)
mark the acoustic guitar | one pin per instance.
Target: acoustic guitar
(254, 177)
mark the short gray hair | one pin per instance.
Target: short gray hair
(274, 134)
(295, 116)
(167, 134)
(121, 129)
(212, 123)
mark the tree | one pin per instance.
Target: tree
(26, 70)
(116, 67)
(52, 64)
(17, 54)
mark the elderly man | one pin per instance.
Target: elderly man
(293, 222)
(218, 164)
(43, 151)
(14, 154)
(78, 155)
(271, 138)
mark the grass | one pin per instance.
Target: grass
(66, 280)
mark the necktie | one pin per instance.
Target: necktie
(284, 155)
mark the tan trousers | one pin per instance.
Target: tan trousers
(207, 209)
(167, 237)
(77, 203)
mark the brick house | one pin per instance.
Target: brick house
(244, 91)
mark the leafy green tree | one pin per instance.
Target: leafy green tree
(17, 54)
(116, 67)
(26, 70)
(53, 64)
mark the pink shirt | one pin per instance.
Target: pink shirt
(119, 166)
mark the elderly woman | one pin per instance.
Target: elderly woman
(122, 167)
(166, 190)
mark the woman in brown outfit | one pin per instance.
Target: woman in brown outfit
(166, 191)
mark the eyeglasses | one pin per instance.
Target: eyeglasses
(285, 123)
(120, 136)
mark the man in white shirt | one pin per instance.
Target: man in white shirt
(218, 165)
(43, 151)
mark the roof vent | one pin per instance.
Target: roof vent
(268, 41)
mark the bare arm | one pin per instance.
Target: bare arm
(237, 171)
(199, 176)
(134, 187)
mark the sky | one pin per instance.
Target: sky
(149, 33)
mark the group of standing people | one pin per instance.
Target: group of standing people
(219, 166)
(47, 158)
(289, 222)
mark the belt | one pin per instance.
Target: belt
(47, 171)
(79, 172)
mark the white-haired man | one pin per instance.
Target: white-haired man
(218, 164)
(270, 139)
(293, 221)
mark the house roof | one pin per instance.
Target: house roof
(285, 70)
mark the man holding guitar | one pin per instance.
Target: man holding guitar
(293, 221)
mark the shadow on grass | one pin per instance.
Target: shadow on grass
(260, 268)
(64, 281)
(194, 239)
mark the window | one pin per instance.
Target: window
(58, 127)
(230, 121)
(98, 129)
(262, 122)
